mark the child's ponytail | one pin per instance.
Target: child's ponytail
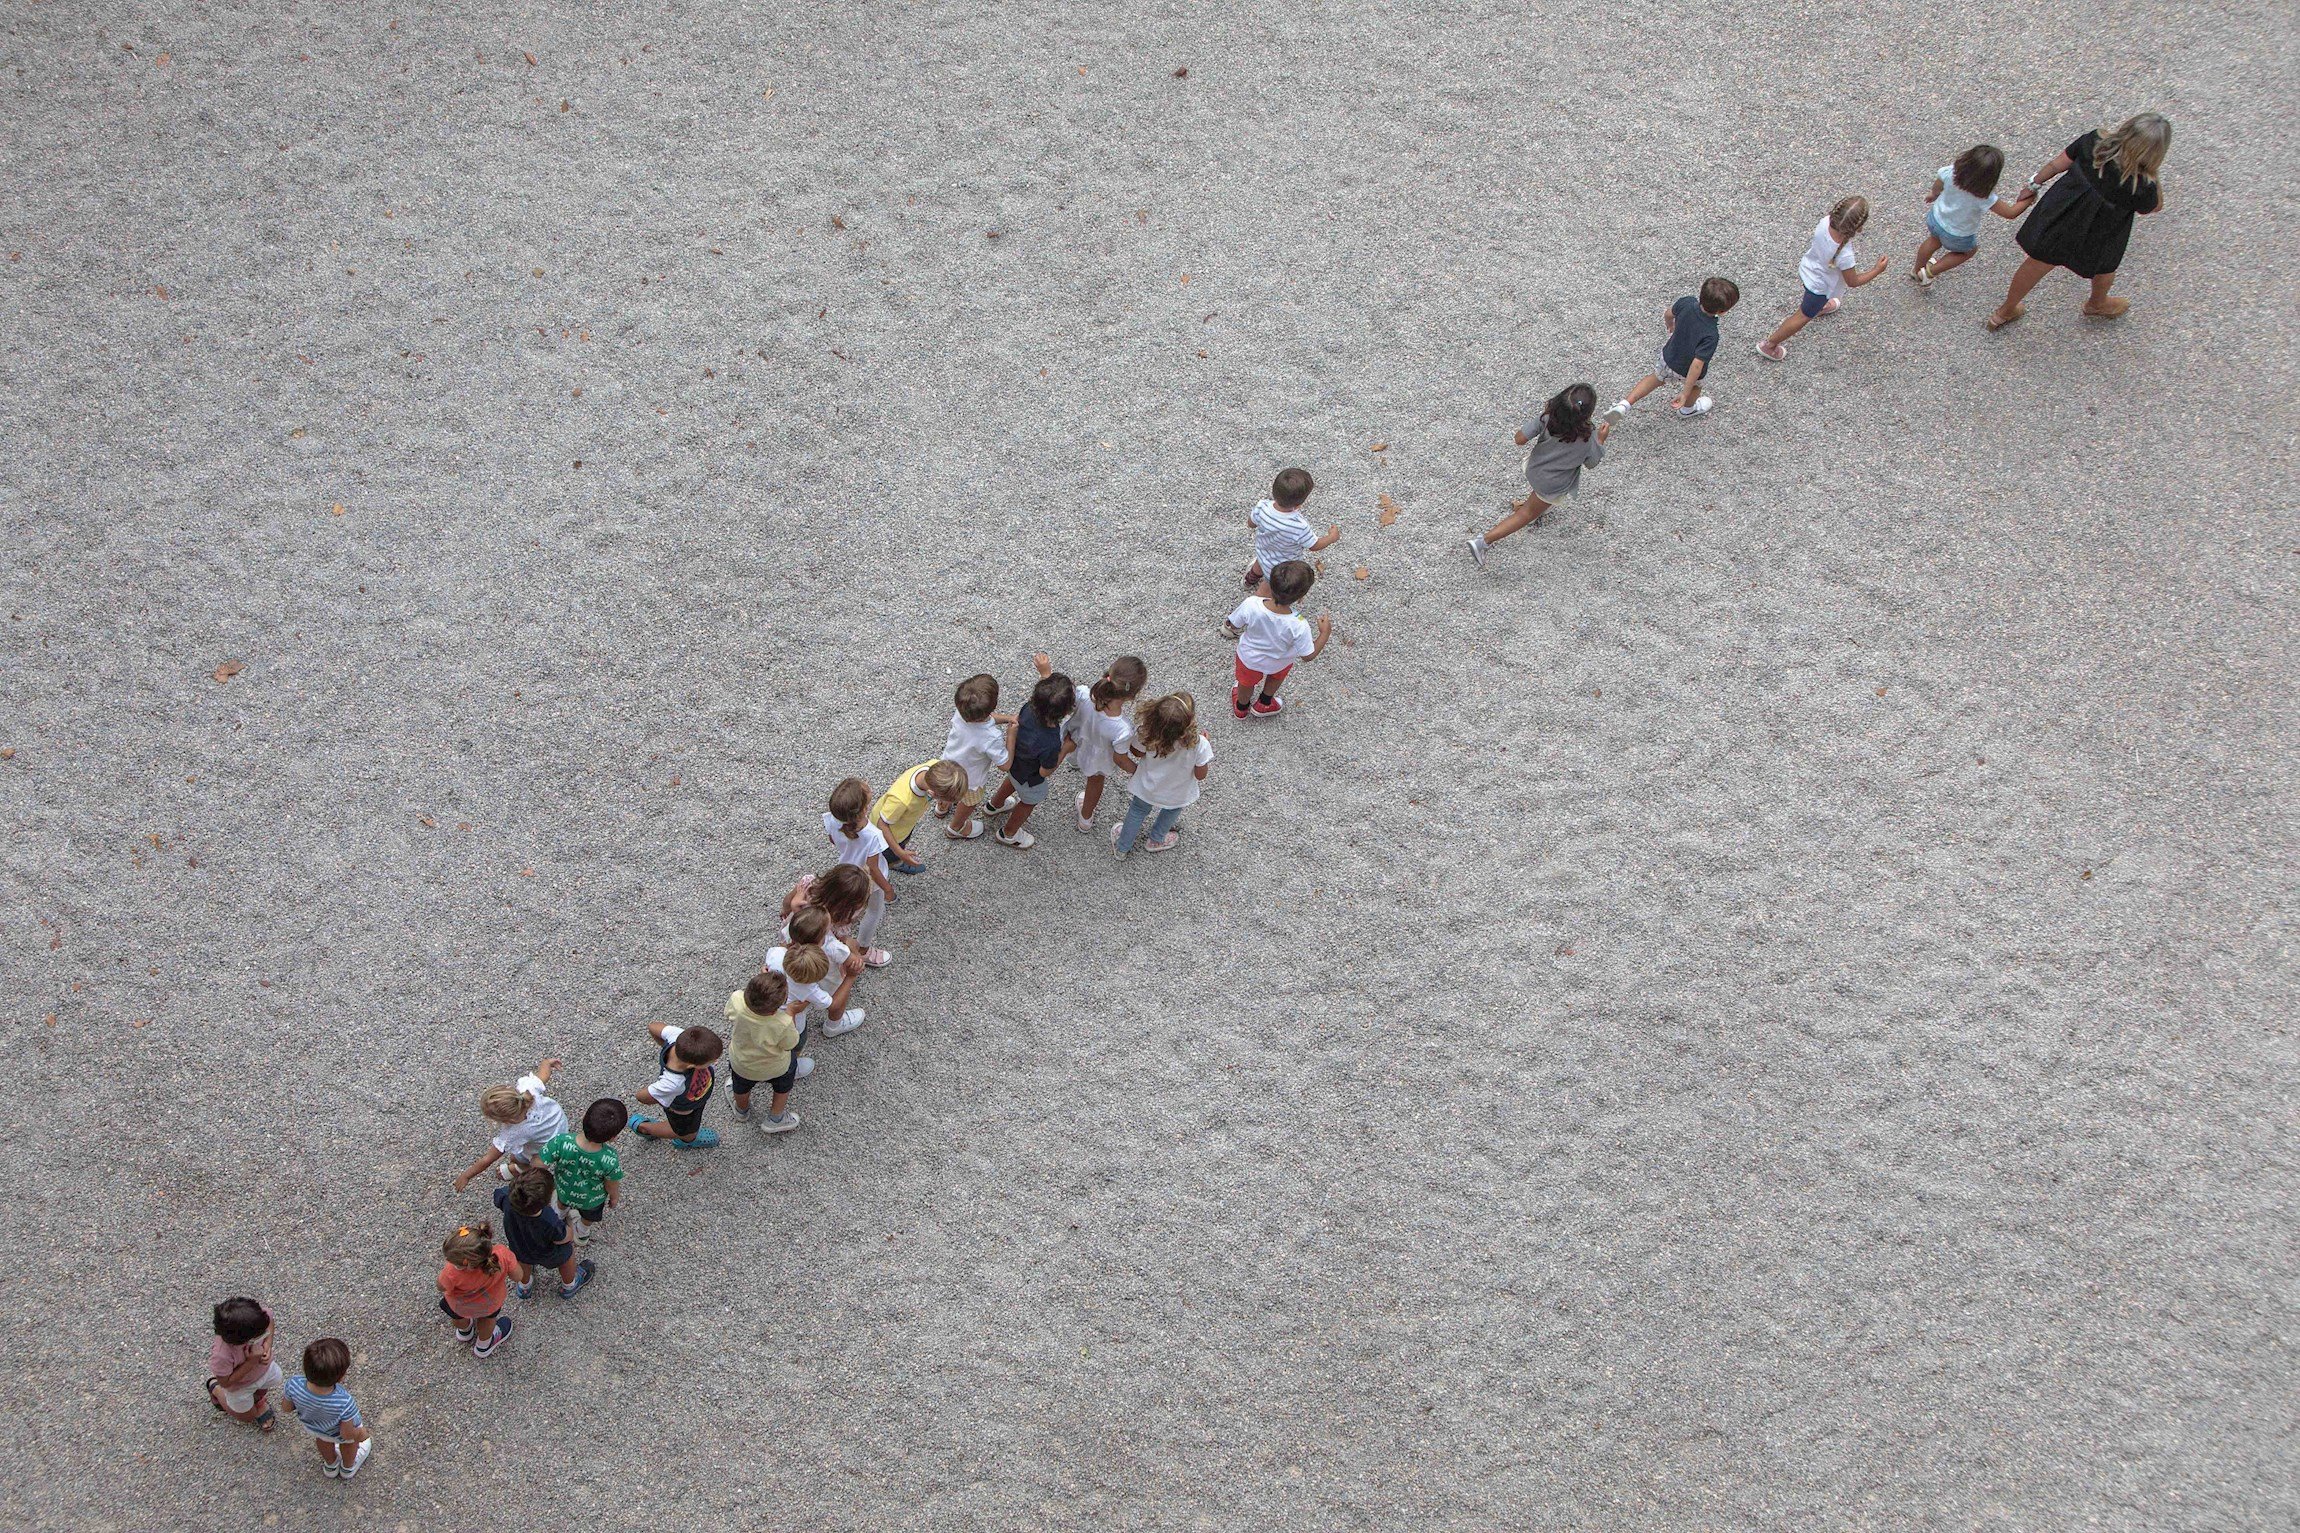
(472, 1247)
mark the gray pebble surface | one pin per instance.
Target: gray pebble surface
(1770, 1006)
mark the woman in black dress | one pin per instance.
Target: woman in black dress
(2107, 178)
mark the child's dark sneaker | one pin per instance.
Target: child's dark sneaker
(583, 1271)
(494, 1342)
(1268, 707)
(522, 1290)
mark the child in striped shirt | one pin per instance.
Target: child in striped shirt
(325, 1409)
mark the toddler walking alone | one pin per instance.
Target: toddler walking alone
(1272, 637)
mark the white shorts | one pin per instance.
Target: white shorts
(245, 1399)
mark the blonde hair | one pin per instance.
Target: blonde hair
(945, 779)
(472, 1247)
(1167, 724)
(805, 965)
(1847, 219)
(505, 1104)
(2135, 146)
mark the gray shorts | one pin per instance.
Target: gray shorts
(1666, 373)
(1033, 793)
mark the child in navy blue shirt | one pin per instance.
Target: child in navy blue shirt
(1687, 352)
(537, 1234)
(1037, 745)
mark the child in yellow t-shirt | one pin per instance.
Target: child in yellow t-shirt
(902, 806)
(762, 1049)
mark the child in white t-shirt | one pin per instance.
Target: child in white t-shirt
(1830, 267)
(525, 1120)
(1098, 726)
(977, 742)
(862, 844)
(1281, 532)
(1964, 192)
(1272, 637)
(1168, 760)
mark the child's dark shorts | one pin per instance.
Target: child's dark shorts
(684, 1124)
(778, 1084)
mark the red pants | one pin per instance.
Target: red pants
(1269, 680)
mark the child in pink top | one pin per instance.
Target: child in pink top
(241, 1373)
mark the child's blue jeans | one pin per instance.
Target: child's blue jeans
(1139, 811)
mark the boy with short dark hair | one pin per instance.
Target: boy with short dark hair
(1687, 352)
(763, 1049)
(1281, 532)
(240, 1362)
(325, 1409)
(683, 1090)
(537, 1234)
(1271, 638)
(584, 1166)
(1036, 745)
(977, 742)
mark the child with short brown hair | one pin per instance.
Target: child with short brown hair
(241, 1370)
(977, 742)
(1687, 350)
(538, 1235)
(526, 1119)
(683, 1090)
(762, 1049)
(326, 1410)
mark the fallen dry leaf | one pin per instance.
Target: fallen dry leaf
(526, 872)
(228, 670)
(1183, 73)
(336, 509)
(565, 107)
(530, 58)
(1880, 691)
(463, 825)
(1390, 509)
(425, 819)
(1185, 279)
(158, 291)
(163, 58)
(1142, 217)
(838, 222)
(297, 432)
(1363, 573)
(8, 754)
(51, 1019)
(1565, 950)
(1379, 447)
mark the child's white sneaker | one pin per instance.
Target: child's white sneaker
(330, 1468)
(358, 1457)
(806, 1068)
(1922, 276)
(1620, 410)
(1701, 406)
(838, 1027)
(1021, 840)
(742, 1113)
(1085, 820)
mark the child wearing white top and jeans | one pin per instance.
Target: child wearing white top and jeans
(1271, 637)
(862, 844)
(1169, 758)
(1281, 532)
(1829, 268)
(1964, 192)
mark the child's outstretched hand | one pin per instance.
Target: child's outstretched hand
(1325, 626)
(1877, 267)
(1045, 665)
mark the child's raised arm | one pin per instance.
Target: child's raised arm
(1044, 665)
(1325, 632)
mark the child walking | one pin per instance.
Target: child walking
(762, 1049)
(1281, 532)
(1098, 727)
(537, 1234)
(1559, 444)
(585, 1170)
(1272, 637)
(1168, 760)
(861, 844)
(684, 1087)
(977, 742)
(1037, 744)
(1688, 351)
(326, 1410)
(1964, 191)
(1829, 267)
(900, 808)
(526, 1119)
(241, 1372)
(821, 912)
(472, 1287)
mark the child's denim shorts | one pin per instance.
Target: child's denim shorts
(1956, 244)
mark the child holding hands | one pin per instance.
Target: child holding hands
(1963, 191)
(526, 1118)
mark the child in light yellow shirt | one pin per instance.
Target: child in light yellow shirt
(940, 783)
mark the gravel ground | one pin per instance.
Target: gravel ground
(1769, 1007)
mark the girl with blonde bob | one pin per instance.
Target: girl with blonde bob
(1167, 761)
(2106, 179)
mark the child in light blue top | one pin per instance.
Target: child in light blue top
(1963, 194)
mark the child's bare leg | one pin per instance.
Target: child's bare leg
(2100, 304)
(1950, 260)
(655, 1129)
(1787, 328)
(1926, 249)
(567, 1270)
(778, 1104)
(1645, 386)
(742, 1101)
(1527, 510)
(326, 1450)
(1092, 797)
(1019, 818)
(961, 820)
(250, 1415)
(1005, 792)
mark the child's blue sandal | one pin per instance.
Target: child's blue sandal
(705, 1139)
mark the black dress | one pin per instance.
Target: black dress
(2084, 220)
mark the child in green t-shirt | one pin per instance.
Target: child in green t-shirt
(584, 1166)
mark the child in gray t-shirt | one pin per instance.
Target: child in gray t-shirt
(1561, 442)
